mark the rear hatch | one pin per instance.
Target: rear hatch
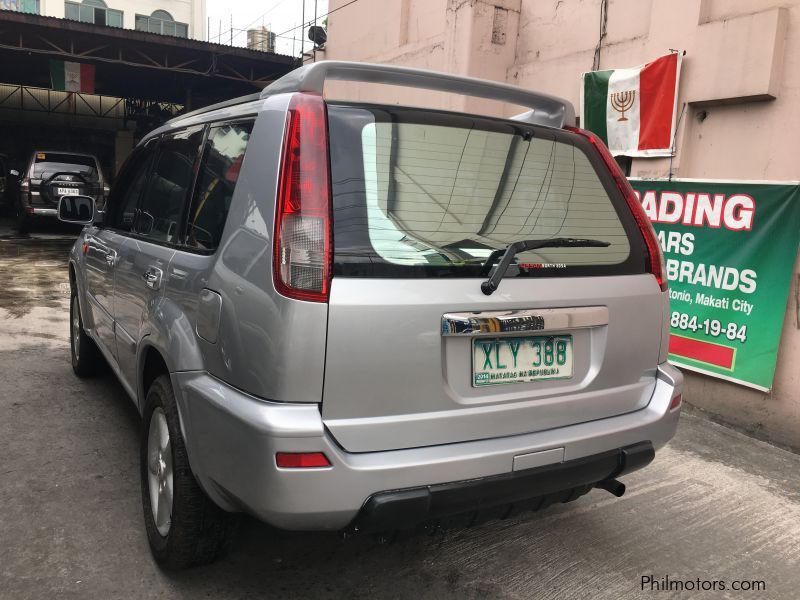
(416, 354)
(60, 174)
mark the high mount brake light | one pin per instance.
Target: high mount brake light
(303, 239)
(655, 256)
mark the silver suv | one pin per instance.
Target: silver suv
(359, 317)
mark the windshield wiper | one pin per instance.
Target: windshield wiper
(490, 285)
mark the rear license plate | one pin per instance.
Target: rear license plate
(521, 359)
(67, 191)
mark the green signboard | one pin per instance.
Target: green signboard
(729, 248)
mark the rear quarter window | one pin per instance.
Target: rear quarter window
(421, 193)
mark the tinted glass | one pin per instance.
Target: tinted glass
(217, 177)
(71, 11)
(114, 18)
(167, 189)
(127, 190)
(47, 164)
(433, 194)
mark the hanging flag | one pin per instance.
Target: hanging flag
(633, 110)
(71, 76)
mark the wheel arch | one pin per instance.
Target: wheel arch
(78, 284)
(153, 363)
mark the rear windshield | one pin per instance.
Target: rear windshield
(47, 164)
(430, 194)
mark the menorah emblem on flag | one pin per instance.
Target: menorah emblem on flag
(622, 101)
(633, 110)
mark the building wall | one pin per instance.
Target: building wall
(191, 12)
(741, 70)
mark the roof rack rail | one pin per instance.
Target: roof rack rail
(547, 110)
(217, 106)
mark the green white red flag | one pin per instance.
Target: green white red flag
(71, 76)
(633, 110)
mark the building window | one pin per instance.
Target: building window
(161, 22)
(23, 6)
(93, 11)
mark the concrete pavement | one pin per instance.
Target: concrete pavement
(714, 506)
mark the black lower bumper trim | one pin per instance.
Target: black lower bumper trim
(499, 496)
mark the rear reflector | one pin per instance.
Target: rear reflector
(655, 256)
(302, 253)
(676, 402)
(301, 460)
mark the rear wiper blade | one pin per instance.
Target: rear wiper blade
(490, 285)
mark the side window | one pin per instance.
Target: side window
(121, 205)
(168, 186)
(216, 181)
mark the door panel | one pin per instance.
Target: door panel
(102, 255)
(134, 296)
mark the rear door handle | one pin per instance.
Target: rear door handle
(152, 278)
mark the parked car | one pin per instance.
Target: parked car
(5, 175)
(348, 316)
(50, 175)
(6, 182)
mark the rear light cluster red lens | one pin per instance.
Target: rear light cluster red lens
(301, 460)
(676, 402)
(303, 239)
(655, 256)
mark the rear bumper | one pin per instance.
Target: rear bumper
(36, 211)
(482, 499)
(232, 439)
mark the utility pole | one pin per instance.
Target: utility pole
(231, 29)
(314, 50)
(303, 35)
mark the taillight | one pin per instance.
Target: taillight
(24, 189)
(655, 256)
(302, 253)
(676, 402)
(301, 460)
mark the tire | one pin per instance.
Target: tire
(196, 531)
(86, 358)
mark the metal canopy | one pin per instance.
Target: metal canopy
(133, 64)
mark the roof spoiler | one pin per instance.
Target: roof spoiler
(546, 110)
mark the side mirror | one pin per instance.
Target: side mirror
(14, 173)
(76, 209)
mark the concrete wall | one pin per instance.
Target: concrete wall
(191, 12)
(741, 69)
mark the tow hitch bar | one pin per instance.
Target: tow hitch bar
(613, 486)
